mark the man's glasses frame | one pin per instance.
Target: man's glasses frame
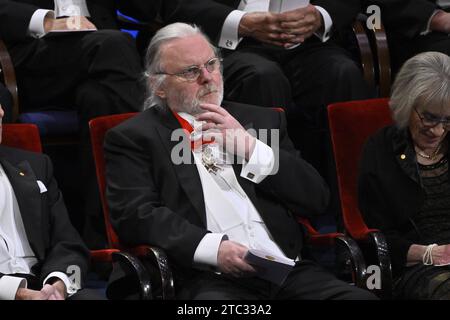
(192, 73)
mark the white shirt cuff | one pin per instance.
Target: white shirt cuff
(36, 26)
(260, 164)
(229, 37)
(428, 29)
(71, 287)
(9, 286)
(207, 250)
(327, 24)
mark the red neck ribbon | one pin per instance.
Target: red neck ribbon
(188, 129)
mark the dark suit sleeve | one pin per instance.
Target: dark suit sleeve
(341, 12)
(137, 212)
(297, 184)
(66, 247)
(407, 18)
(14, 20)
(374, 205)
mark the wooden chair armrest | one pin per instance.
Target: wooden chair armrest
(366, 56)
(384, 62)
(375, 56)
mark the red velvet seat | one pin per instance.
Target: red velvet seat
(351, 123)
(26, 136)
(98, 128)
(164, 288)
(22, 136)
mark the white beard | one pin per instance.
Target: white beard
(192, 106)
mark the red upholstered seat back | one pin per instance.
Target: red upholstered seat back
(21, 136)
(351, 123)
(98, 128)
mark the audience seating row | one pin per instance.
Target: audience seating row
(61, 127)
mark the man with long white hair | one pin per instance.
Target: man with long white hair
(206, 211)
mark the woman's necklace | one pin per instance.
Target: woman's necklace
(429, 156)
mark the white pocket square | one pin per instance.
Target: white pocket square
(41, 185)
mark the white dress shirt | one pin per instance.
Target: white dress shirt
(229, 37)
(16, 255)
(63, 8)
(229, 211)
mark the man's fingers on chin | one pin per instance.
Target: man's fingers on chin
(215, 108)
(208, 106)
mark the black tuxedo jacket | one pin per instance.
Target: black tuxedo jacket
(15, 16)
(152, 201)
(53, 239)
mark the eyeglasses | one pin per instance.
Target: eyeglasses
(431, 121)
(192, 73)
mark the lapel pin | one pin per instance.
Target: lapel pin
(403, 157)
(22, 174)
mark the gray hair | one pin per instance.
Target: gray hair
(153, 67)
(423, 80)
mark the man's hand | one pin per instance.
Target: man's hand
(230, 259)
(264, 27)
(440, 22)
(301, 23)
(60, 290)
(282, 29)
(48, 292)
(226, 131)
(68, 24)
(441, 255)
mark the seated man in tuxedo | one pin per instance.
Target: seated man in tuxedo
(42, 256)
(207, 204)
(58, 65)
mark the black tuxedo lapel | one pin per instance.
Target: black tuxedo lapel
(26, 190)
(187, 172)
